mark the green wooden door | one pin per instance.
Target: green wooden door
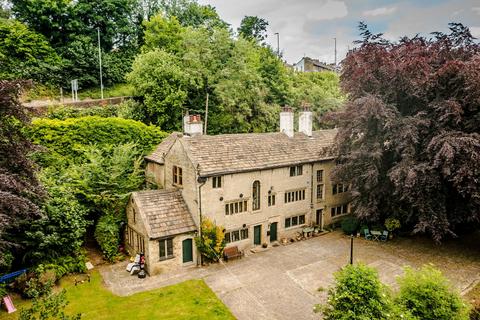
(257, 235)
(273, 232)
(187, 250)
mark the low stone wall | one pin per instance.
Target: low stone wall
(39, 110)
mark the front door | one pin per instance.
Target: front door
(318, 219)
(187, 250)
(257, 235)
(273, 232)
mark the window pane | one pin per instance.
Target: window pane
(236, 207)
(226, 209)
(299, 170)
(227, 237)
(345, 188)
(162, 249)
(332, 212)
(219, 182)
(301, 219)
(169, 247)
(292, 171)
(345, 209)
(244, 234)
(319, 175)
(273, 200)
(334, 191)
(235, 235)
(294, 221)
(245, 205)
(303, 194)
(287, 222)
(240, 205)
(340, 188)
(285, 197)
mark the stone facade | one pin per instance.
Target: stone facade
(249, 198)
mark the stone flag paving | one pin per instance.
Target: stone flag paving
(285, 282)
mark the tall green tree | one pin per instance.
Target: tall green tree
(409, 136)
(254, 28)
(25, 54)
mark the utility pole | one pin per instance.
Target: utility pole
(206, 115)
(100, 61)
(278, 43)
(335, 51)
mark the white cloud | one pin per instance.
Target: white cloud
(379, 11)
(475, 31)
(328, 11)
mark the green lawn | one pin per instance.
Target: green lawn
(187, 300)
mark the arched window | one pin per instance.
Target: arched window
(256, 195)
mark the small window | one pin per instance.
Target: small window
(294, 221)
(256, 195)
(235, 235)
(301, 219)
(319, 176)
(296, 171)
(332, 212)
(345, 209)
(244, 234)
(287, 222)
(166, 249)
(177, 175)
(216, 182)
(319, 191)
(271, 200)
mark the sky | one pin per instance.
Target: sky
(308, 27)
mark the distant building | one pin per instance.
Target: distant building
(307, 64)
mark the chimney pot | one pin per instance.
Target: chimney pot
(286, 121)
(192, 124)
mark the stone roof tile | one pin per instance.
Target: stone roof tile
(164, 211)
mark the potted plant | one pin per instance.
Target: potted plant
(392, 224)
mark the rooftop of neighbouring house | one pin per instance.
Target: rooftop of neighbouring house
(164, 211)
(233, 153)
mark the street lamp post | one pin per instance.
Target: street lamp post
(100, 61)
(278, 43)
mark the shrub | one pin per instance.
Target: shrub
(107, 234)
(357, 294)
(3, 290)
(211, 243)
(63, 266)
(49, 306)
(392, 224)
(350, 225)
(428, 296)
(33, 285)
(68, 138)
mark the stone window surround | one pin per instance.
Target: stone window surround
(167, 246)
(298, 224)
(243, 234)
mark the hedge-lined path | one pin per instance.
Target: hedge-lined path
(283, 282)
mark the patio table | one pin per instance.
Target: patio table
(376, 235)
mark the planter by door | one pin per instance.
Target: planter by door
(273, 232)
(257, 235)
(187, 250)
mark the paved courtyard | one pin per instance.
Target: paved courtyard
(283, 282)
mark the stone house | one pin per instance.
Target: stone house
(307, 64)
(261, 187)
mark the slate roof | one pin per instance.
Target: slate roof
(158, 154)
(164, 212)
(231, 153)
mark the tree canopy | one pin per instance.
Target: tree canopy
(409, 136)
(21, 195)
(253, 27)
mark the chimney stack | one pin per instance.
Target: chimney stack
(192, 125)
(305, 120)
(286, 121)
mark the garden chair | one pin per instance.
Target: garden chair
(384, 235)
(368, 236)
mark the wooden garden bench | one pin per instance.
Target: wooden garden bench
(232, 252)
